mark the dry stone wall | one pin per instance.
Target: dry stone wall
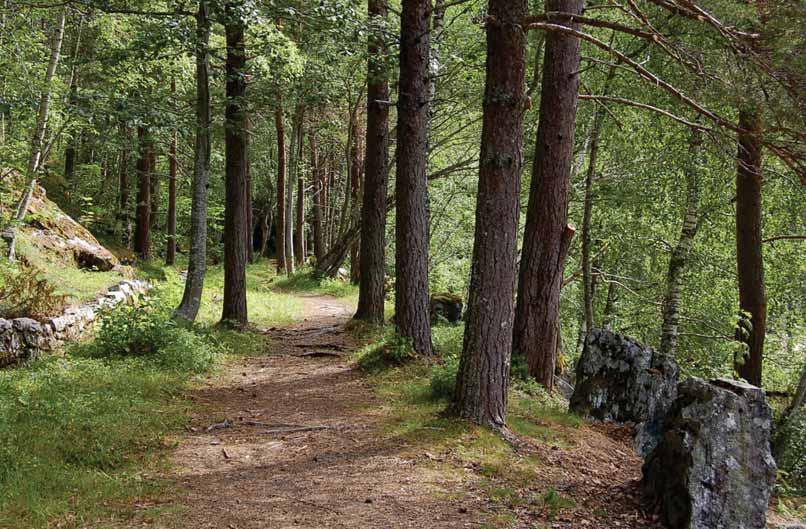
(24, 338)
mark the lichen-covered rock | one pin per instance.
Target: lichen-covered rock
(712, 469)
(447, 307)
(620, 380)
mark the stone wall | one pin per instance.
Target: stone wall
(23, 338)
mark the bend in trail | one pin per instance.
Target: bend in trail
(293, 439)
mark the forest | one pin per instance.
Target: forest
(403, 263)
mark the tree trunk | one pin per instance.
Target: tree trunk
(318, 196)
(376, 177)
(37, 141)
(680, 255)
(483, 379)
(70, 150)
(299, 226)
(609, 313)
(547, 236)
(249, 232)
(197, 263)
(749, 257)
(282, 262)
(235, 140)
(590, 176)
(142, 231)
(170, 251)
(154, 180)
(123, 184)
(356, 168)
(411, 189)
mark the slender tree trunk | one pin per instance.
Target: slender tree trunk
(483, 379)
(609, 313)
(38, 139)
(155, 187)
(123, 184)
(411, 189)
(142, 231)
(170, 251)
(70, 151)
(197, 263)
(547, 236)
(376, 178)
(356, 168)
(249, 233)
(749, 257)
(680, 255)
(318, 196)
(299, 226)
(282, 262)
(235, 140)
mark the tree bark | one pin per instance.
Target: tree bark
(376, 178)
(680, 254)
(279, 122)
(197, 261)
(37, 141)
(234, 312)
(249, 232)
(299, 225)
(483, 378)
(356, 168)
(547, 237)
(411, 189)
(154, 180)
(123, 184)
(749, 256)
(170, 251)
(318, 196)
(142, 231)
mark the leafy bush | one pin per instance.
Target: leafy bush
(25, 294)
(391, 351)
(792, 461)
(443, 377)
(149, 331)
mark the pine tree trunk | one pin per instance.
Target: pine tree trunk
(197, 260)
(154, 180)
(281, 188)
(411, 189)
(249, 232)
(123, 184)
(749, 257)
(235, 140)
(376, 178)
(547, 236)
(70, 150)
(142, 231)
(37, 142)
(680, 254)
(356, 168)
(483, 378)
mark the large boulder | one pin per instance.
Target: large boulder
(446, 307)
(712, 468)
(620, 380)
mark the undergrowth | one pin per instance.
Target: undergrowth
(307, 281)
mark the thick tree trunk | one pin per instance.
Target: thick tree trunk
(411, 189)
(142, 229)
(299, 225)
(197, 262)
(279, 122)
(483, 379)
(235, 140)
(38, 139)
(680, 254)
(376, 178)
(547, 236)
(749, 257)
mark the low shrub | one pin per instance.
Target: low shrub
(148, 330)
(792, 459)
(391, 351)
(25, 294)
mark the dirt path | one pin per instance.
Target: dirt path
(293, 439)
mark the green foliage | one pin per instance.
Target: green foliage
(308, 281)
(25, 294)
(148, 330)
(792, 461)
(389, 352)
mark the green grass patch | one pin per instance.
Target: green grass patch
(306, 281)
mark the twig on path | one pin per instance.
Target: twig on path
(219, 425)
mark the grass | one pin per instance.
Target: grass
(83, 436)
(305, 281)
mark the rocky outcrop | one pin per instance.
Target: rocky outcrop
(620, 380)
(52, 231)
(712, 468)
(447, 307)
(24, 338)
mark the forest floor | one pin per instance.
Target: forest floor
(302, 437)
